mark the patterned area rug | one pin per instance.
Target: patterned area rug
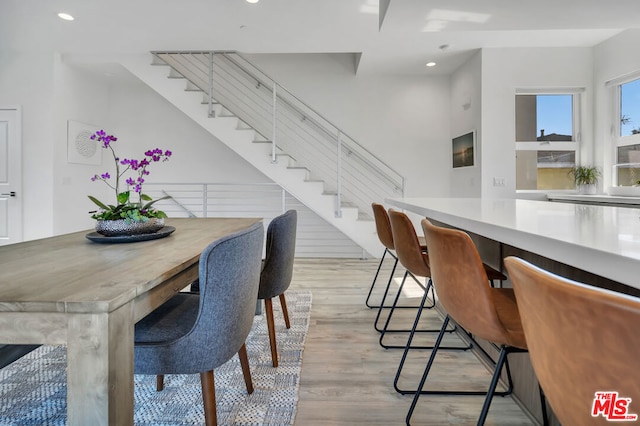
(33, 389)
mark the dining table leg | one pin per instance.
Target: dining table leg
(100, 367)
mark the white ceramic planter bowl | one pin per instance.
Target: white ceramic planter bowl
(624, 191)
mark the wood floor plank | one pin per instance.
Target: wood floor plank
(347, 378)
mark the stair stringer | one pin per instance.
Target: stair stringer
(240, 140)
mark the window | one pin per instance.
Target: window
(627, 158)
(630, 108)
(546, 139)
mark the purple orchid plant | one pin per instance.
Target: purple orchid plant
(125, 208)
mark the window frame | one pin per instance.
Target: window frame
(617, 104)
(619, 140)
(576, 130)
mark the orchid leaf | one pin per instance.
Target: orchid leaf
(146, 206)
(98, 203)
(123, 197)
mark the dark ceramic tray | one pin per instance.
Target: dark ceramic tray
(103, 239)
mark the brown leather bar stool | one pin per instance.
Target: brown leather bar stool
(417, 262)
(583, 343)
(385, 235)
(463, 289)
(383, 229)
(413, 256)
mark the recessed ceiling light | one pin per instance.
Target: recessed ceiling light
(253, 1)
(65, 16)
(431, 64)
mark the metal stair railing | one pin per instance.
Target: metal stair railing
(219, 199)
(351, 172)
(266, 200)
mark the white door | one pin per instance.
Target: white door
(10, 177)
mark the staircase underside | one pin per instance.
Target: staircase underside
(253, 147)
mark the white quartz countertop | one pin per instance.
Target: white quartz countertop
(603, 240)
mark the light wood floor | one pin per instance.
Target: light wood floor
(347, 378)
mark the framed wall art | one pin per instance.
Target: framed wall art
(80, 148)
(463, 150)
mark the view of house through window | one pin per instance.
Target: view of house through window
(628, 144)
(545, 142)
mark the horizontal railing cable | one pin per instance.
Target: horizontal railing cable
(266, 200)
(347, 168)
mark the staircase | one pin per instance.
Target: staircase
(278, 134)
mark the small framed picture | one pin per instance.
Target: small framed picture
(80, 148)
(463, 150)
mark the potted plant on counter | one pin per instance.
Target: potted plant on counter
(586, 178)
(128, 216)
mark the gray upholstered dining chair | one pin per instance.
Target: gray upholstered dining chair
(277, 270)
(195, 333)
(11, 353)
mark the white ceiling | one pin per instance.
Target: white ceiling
(411, 33)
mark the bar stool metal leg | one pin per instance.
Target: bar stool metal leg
(386, 250)
(408, 347)
(384, 296)
(502, 360)
(543, 404)
(413, 329)
(389, 281)
(492, 385)
(395, 306)
(426, 370)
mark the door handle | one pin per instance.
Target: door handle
(8, 194)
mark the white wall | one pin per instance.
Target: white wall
(145, 120)
(406, 120)
(85, 98)
(466, 115)
(141, 120)
(402, 119)
(26, 80)
(504, 70)
(613, 59)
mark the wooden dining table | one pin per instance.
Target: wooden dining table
(68, 290)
